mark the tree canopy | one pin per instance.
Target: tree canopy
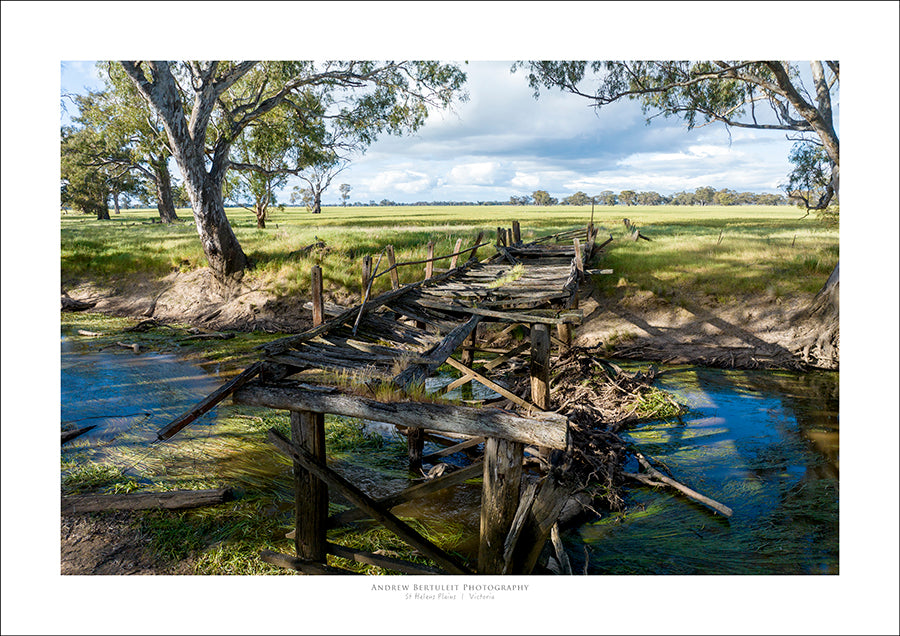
(205, 108)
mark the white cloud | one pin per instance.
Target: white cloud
(483, 173)
(405, 181)
(523, 180)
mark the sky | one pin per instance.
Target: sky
(504, 142)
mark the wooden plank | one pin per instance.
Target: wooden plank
(518, 522)
(171, 500)
(552, 495)
(209, 402)
(417, 373)
(386, 562)
(493, 385)
(542, 316)
(418, 491)
(540, 429)
(294, 563)
(310, 493)
(499, 501)
(360, 499)
(285, 343)
(450, 450)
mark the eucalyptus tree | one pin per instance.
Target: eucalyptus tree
(762, 95)
(93, 161)
(127, 115)
(345, 193)
(206, 106)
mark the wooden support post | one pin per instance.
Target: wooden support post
(429, 263)
(455, 258)
(392, 264)
(415, 444)
(467, 357)
(509, 237)
(501, 237)
(317, 301)
(311, 494)
(366, 275)
(499, 501)
(474, 256)
(564, 330)
(517, 233)
(540, 366)
(579, 263)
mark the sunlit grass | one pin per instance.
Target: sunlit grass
(722, 252)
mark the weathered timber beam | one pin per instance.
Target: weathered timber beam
(171, 500)
(210, 401)
(418, 372)
(414, 492)
(450, 450)
(301, 565)
(359, 498)
(546, 316)
(541, 429)
(386, 562)
(285, 343)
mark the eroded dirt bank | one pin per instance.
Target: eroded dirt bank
(760, 331)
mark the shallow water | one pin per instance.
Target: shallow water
(763, 443)
(127, 396)
(766, 444)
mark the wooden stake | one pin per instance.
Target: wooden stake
(455, 257)
(517, 233)
(429, 263)
(310, 493)
(579, 263)
(474, 256)
(499, 501)
(317, 300)
(392, 265)
(366, 275)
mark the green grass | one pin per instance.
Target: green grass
(716, 251)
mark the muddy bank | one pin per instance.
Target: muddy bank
(760, 331)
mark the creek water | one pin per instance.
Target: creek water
(766, 444)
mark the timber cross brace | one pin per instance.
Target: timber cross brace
(371, 360)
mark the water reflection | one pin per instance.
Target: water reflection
(763, 443)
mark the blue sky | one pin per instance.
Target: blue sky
(504, 142)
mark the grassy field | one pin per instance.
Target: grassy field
(724, 252)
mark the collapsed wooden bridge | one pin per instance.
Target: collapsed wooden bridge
(372, 362)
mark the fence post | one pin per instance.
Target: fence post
(392, 263)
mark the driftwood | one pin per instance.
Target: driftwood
(301, 565)
(172, 500)
(656, 478)
(359, 498)
(68, 436)
(70, 304)
(565, 565)
(90, 334)
(386, 562)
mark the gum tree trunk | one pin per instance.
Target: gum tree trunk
(164, 201)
